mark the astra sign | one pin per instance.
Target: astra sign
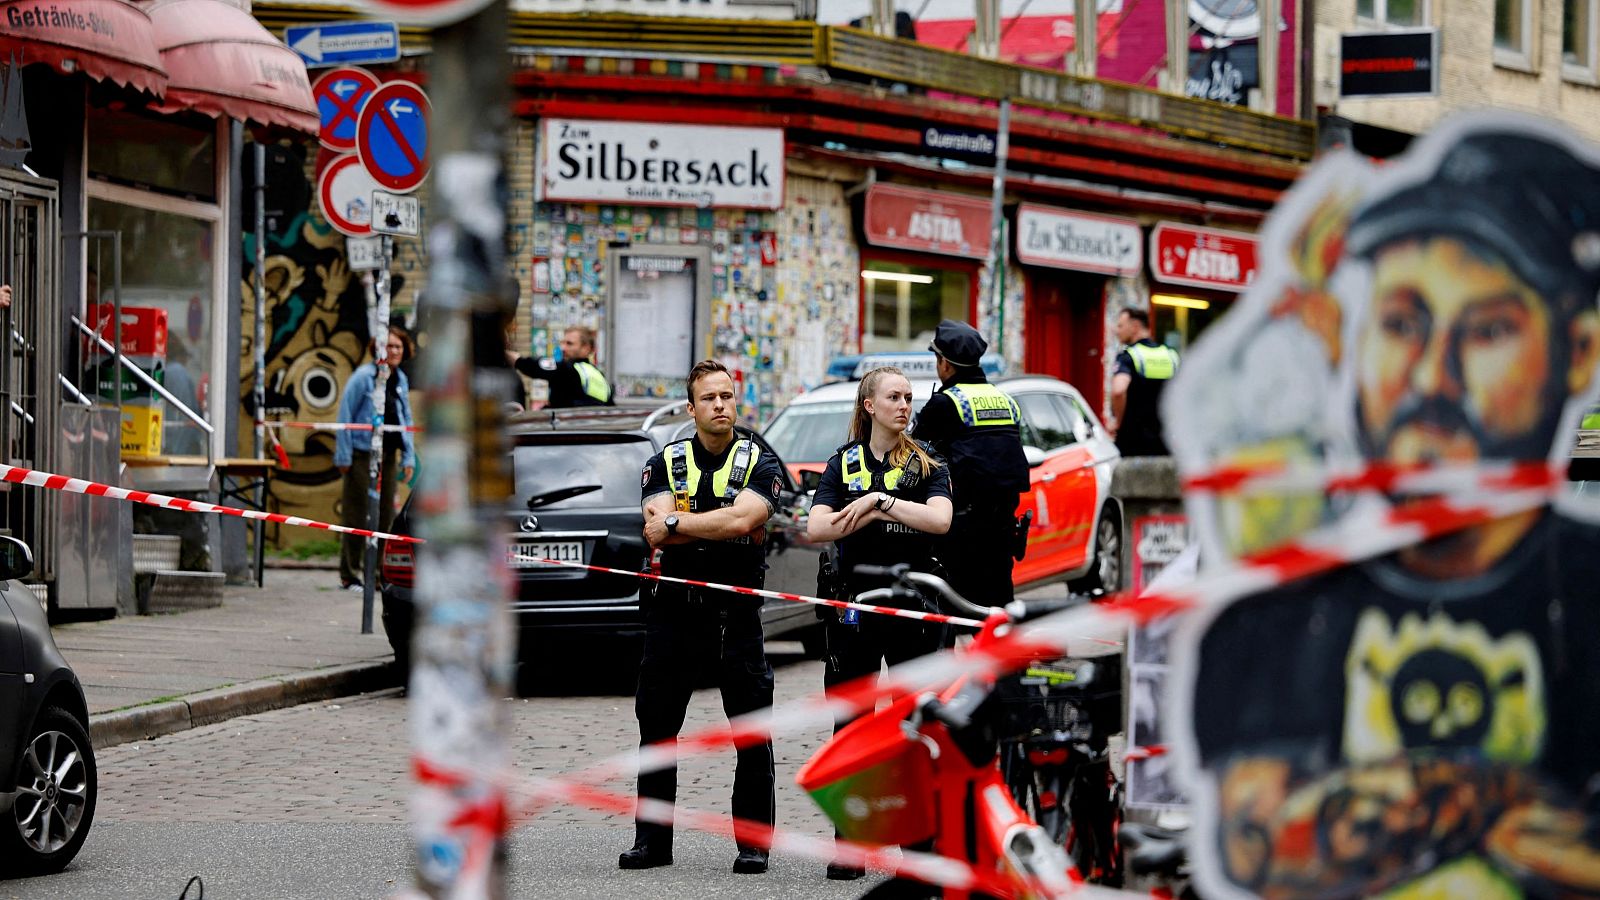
(672, 165)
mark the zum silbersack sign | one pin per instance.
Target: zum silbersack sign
(596, 161)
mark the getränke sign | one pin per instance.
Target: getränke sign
(1073, 240)
(673, 165)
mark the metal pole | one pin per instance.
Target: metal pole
(379, 326)
(462, 648)
(997, 229)
(260, 346)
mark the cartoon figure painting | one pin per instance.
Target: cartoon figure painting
(1425, 724)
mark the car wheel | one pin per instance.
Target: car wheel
(56, 785)
(1105, 567)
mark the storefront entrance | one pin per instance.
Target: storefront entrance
(1065, 316)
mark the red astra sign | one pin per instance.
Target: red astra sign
(928, 221)
(1202, 257)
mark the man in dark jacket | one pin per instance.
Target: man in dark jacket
(976, 427)
(574, 379)
(1142, 373)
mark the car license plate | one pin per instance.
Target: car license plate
(524, 555)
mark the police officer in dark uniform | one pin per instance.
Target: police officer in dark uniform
(881, 500)
(574, 379)
(1142, 373)
(976, 428)
(706, 503)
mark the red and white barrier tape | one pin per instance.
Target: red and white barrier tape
(342, 426)
(79, 486)
(895, 611)
(1414, 480)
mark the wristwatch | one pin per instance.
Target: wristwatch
(882, 499)
(672, 524)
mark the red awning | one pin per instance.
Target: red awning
(220, 61)
(104, 39)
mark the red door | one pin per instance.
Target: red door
(1063, 318)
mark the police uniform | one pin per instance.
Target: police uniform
(572, 383)
(976, 428)
(858, 641)
(1151, 366)
(688, 629)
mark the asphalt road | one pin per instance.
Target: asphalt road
(311, 802)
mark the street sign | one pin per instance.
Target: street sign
(345, 191)
(392, 136)
(425, 12)
(364, 253)
(339, 94)
(396, 214)
(344, 43)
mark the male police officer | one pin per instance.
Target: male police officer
(1142, 372)
(976, 427)
(574, 379)
(706, 501)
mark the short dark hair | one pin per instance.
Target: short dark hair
(1138, 315)
(701, 369)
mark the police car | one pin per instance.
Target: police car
(1077, 530)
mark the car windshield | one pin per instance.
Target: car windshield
(611, 461)
(810, 432)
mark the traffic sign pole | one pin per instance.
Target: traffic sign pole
(377, 283)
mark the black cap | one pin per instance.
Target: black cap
(1523, 198)
(959, 343)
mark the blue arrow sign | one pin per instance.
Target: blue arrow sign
(344, 43)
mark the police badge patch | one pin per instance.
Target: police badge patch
(644, 477)
(777, 486)
(549, 365)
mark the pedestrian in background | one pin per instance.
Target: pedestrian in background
(706, 504)
(352, 452)
(1141, 375)
(975, 427)
(882, 499)
(574, 378)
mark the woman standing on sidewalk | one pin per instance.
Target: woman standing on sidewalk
(355, 407)
(881, 500)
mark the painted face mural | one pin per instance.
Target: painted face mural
(1421, 724)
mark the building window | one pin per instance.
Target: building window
(903, 304)
(1513, 28)
(1578, 37)
(174, 154)
(1394, 13)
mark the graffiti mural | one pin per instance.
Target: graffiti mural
(316, 332)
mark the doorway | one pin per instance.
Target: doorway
(1064, 320)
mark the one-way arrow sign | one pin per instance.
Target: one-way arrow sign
(344, 43)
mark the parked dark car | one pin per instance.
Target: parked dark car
(48, 781)
(576, 498)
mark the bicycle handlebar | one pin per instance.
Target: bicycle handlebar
(908, 580)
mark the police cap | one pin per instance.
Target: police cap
(959, 343)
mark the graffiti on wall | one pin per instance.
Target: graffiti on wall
(316, 331)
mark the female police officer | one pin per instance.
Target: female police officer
(881, 500)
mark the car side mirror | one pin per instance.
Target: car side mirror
(1033, 455)
(809, 480)
(16, 560)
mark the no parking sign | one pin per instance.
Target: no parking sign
(339, 94)
(392, 136)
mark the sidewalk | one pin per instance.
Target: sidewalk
(294, 641)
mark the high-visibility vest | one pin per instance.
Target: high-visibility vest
(859, 479)
(1155, 363)
(593, 381)
(684, 476)
(981, 405)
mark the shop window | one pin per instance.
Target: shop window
(1394, 13)
(168, 263)
(1177, 320)
(904, 304)
(172, 154)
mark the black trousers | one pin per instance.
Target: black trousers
(976, 553)
(855, 651)
(685, 634)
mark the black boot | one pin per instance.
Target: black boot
(652, 847)
(751, 861)
(839, 871)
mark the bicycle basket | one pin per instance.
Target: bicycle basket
(873, 782)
